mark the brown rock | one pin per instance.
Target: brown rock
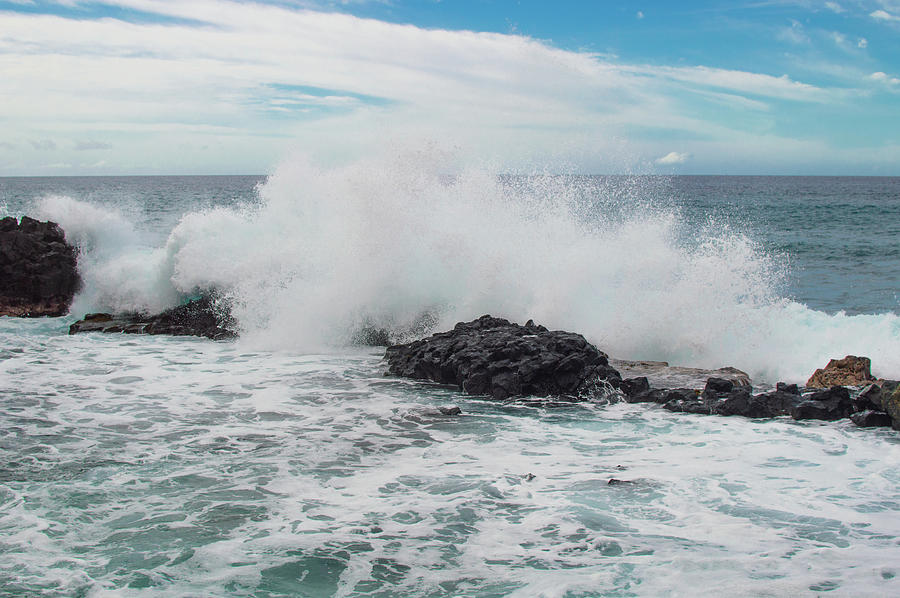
(849, 371)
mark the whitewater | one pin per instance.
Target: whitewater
(286, 464)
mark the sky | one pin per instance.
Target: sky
(215, 87)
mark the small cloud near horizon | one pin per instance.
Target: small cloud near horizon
(640, 14)
(835, 7)
(673, 158)
(43, 145)
(92, 145)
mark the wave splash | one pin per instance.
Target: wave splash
(392, 242)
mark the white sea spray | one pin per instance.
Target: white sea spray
(388, 239)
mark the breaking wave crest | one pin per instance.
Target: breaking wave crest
(392, 242)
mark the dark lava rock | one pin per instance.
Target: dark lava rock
(831, 404)
(685, 400)
(450, 410)
(718, 385)
(737, 402)
(773, 404)
(491, 356)
(200, 317)
(868, 398)
(722, 397)
(871, 419)
(38, 274)
(788, 388)
(635, 387)
(849, 371)
(654, 395)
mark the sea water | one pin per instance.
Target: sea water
(286, 464)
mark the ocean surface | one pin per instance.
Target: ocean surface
(286, 464)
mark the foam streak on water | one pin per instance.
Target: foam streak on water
(172, 467)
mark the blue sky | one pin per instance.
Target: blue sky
(205, 86)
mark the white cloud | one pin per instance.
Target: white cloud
(754, 84)
(884, 78)
(256, 80)
(862, 43)
(835, 7)
(883, 15)
(673, 158)
(794, 34)
(640, 14)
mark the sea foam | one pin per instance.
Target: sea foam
(394, 242)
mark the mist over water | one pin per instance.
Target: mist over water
(393, 241)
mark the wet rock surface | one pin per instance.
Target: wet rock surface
(495, 357)
(830, 404)
(871, 419)
(38, 269)
(891, 404)
(199, 317)
(662, 375)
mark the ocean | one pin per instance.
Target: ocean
(286, 464)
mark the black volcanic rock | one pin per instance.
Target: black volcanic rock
(788, 388)
(492, 356)
(775, 403)
(830, 404)
(871, 419)
(686, 400)
(868, 399)
(635, 387)
(38, 273)
(200, 317)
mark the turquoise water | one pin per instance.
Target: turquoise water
(263, 467)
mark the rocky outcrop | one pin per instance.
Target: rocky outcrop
(38, 274)
(662, 375)
(200, 317)
(494, 357)
(849, 371)
(723, 397)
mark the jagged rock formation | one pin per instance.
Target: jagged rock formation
(492, 356)
(38, 273)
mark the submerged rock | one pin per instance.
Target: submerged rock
(199, 317)
(492, 356)
(38, 273)
(849, 371)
